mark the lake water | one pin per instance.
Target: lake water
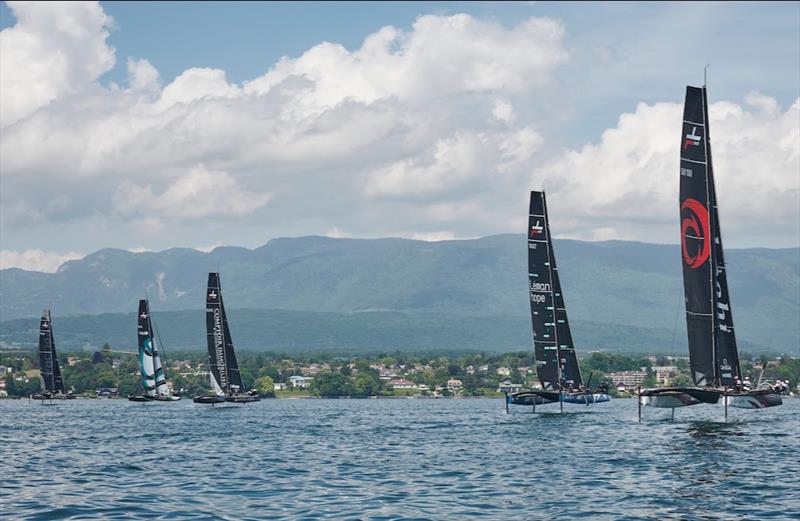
(395, 459)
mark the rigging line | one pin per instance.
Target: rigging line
(675, 325)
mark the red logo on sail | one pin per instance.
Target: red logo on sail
(691, 139)
(696, 226)
(536, 229)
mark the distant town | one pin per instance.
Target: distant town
(112, 373)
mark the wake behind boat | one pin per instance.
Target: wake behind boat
(556, 362)
(51, 380)
(226, 379)
(154, 379)
(713, 354)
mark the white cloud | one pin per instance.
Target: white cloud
(404, 116)
(197, 193)
(503, 111)
(142, 76)
(430, 130)
(442, 55)
(54, 49)
(35, 260)
(627, 185)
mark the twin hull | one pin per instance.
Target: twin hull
(545, 397)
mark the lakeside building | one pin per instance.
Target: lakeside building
(454, 385)
(300, 382)
(506, 386)
(400, 383)
(628, 378)
(665, 373)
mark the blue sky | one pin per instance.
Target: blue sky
(590, 64)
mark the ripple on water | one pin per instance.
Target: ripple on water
(395, 459)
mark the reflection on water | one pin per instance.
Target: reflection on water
(392, 459)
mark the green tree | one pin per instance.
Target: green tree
(265, 386)
(22, 388)
(331, 384)
(367, 383)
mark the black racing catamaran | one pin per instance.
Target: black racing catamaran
(713, 355)
(52, 383)
(556, 362)
(154, 379)
(226, 380)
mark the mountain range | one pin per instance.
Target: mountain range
(320, 292)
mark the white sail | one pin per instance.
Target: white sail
(158, 371)
(147, 366)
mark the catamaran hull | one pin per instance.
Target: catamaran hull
(545, 397)
(753, 400)
(242, 399)
(53, 397)
(671, 398)
(531, 398)
(669, 401)
(146, 398)
(210, 399)
(585, 399)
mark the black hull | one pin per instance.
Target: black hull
(759, 399)
(701, 395)
(210, 399)
(145, 398)
(242, 399)
(532, 398)
(53, 397)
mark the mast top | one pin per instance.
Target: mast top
(705, 75)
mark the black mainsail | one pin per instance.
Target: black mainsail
(713, 356)
(52, 383)
(557, 364)
(225, 376)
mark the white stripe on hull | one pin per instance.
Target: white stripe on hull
(669, 401)
(761, 401)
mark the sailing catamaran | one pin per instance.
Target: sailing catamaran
(52, 383)
(226, 380)
(713, 355)
(154, 380)
(556, 362)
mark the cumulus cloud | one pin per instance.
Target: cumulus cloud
(142, 76)
(626, 186)
(54, 49)
(35, 260)
(440, 56)
(403, 116)
(425, 131)
(197, 193)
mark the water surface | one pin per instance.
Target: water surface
(395, 459)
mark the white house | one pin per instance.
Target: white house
(300, 382)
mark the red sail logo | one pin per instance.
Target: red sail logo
(695, 225)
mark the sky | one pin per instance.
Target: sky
(145, 126)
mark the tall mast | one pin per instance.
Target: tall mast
(552, 283)
(713, 234)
